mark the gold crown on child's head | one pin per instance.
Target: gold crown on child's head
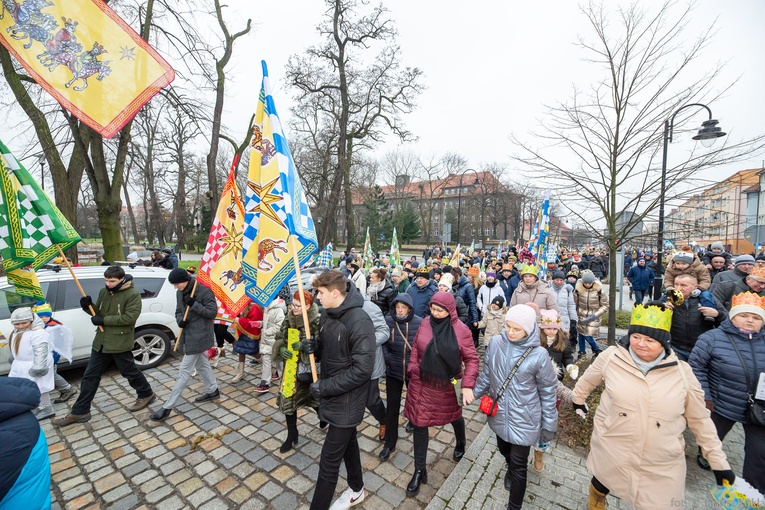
(748, 298)
(651, 316)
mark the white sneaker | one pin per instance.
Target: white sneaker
(348, 499)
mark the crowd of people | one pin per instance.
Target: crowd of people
(689, 361)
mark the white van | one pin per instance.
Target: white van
(155, 330)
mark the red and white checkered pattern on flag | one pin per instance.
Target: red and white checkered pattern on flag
(221, 266)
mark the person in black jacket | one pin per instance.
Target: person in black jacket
(380, 290)
(688, 318)
(403, 324)
(24, 463)
(347, 346)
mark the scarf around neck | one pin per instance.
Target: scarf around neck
(441, 361)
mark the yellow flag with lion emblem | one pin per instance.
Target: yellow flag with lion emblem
(86, 57)
(277, 221)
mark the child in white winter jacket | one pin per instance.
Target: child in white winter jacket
(32, 352)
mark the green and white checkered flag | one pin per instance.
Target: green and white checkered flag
(30, 224)
(395, 254)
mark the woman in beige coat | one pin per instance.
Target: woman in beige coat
(532, 290)
(591, 303)
(637, 448)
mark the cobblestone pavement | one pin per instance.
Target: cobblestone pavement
(222, 454)
(225, 454)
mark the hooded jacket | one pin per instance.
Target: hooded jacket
(564, 295)
(421, 297)
(467, 293)
(426, 405)
(402, 332)
(720, 372)
(24, 446)
(637, 447)
(688, 323)
(592, 301)
(697, 269)
(642, 277)
(198, 334)
(486, 294)
(381, 336)
(528, 405)
(492, 320)
(120, 308)
(347, 343)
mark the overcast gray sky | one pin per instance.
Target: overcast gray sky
(490, 67)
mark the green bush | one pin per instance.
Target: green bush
(622, 319)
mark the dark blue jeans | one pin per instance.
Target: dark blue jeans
(639, 296)
(593, 345)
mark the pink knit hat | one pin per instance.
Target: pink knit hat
(524, 316)
(550, 319)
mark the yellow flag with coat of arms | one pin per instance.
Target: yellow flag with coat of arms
(277, 222)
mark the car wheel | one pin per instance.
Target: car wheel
(151, 348)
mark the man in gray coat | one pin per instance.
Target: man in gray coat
(197, 336)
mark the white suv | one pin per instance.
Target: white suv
(155, 330)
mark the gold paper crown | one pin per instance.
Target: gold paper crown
(748, 299)
(758, 272)
(652, 317)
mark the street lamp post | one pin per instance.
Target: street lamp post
(459, 198)
(707, 135)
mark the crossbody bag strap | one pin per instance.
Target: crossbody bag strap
(512, 372)
(746, 370)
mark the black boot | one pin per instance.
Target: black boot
(459, 451)
(420, 477)
(292, 433)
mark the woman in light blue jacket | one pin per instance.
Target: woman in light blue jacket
(526, 411)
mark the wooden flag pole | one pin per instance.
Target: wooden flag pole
(185, 314)
(306, 324)
(74, 277)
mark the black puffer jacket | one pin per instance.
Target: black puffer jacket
(688, 324)
(720, 372)
(397, 350)
(347, 343)
(384, 297)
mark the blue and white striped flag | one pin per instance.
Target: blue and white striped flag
(276, 210)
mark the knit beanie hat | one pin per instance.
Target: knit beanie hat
(558, 274)
(550, 319)
(652, 320)
(744, 259)
(718, 245)
(588, 277)
(524, 316)
(499, 301)
(747, 302)
(445, 283)
(447, 277)
(43, 309)
(685, 255)
(178, 275)
(491, 273)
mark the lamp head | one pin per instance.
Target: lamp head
(709, 132)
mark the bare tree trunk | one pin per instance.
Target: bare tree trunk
(220, 86)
